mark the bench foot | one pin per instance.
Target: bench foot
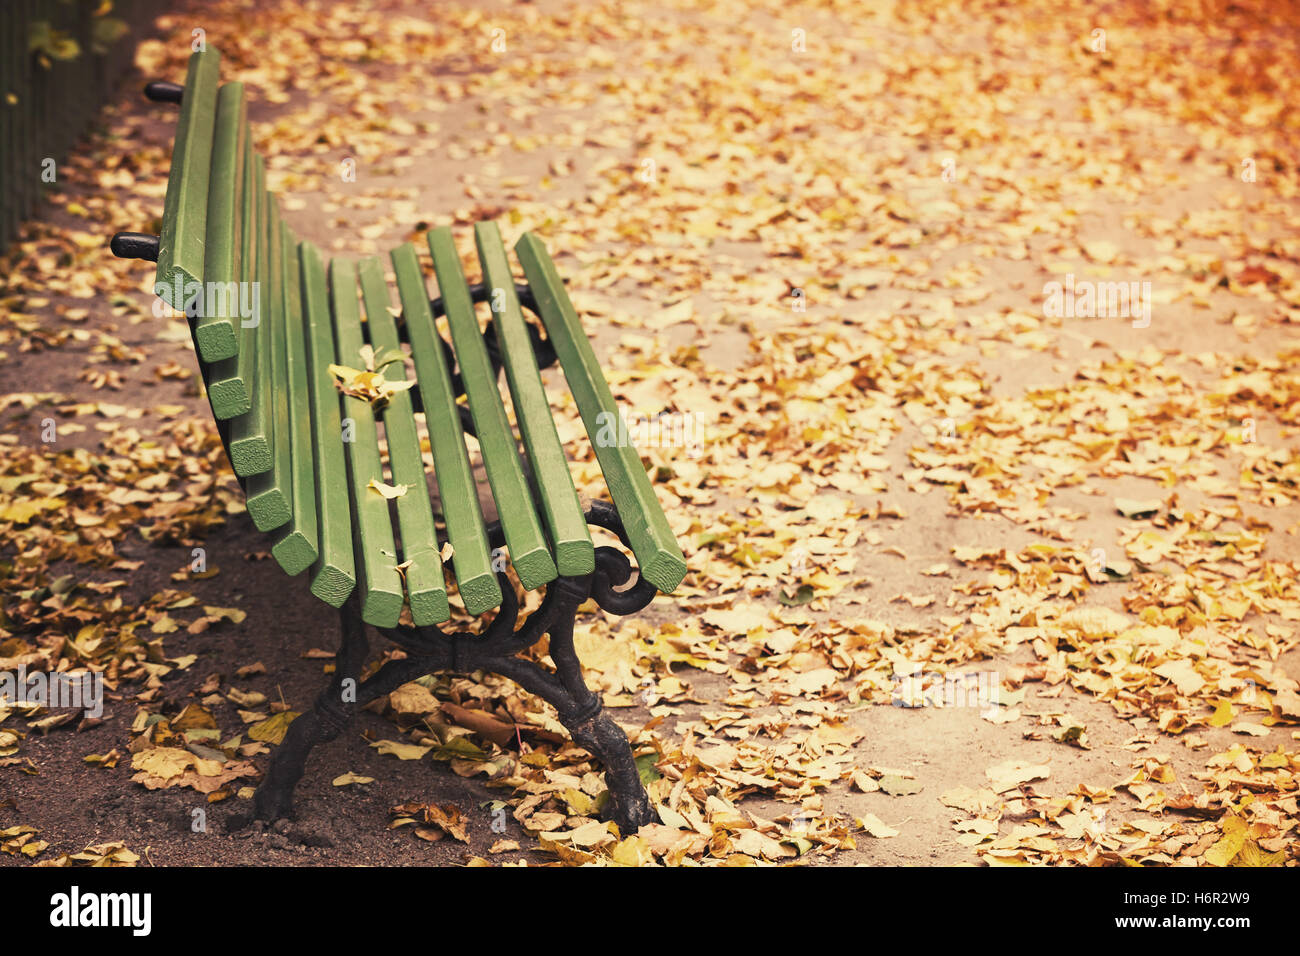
(580, 710)
(593, 730)
(629, 804)
(497, 650)
(333, 711)
(583, 715)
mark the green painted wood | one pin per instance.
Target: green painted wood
(230, 380)
(228, 393)
(185, 208)
(267, 493)
(379, 579)
(250, 450)
(216, 329)
(553, 484)
(456, 488)
(657, 553)
(334, 574)
(295, 548)
(529, 552)
(426, 588)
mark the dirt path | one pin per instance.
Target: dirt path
(980, 573)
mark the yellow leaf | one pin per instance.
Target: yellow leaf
(1222, 715)
(632, 851)
(348, 778)
(876, 827)
(1183, 674)
(1233, 839)
(413, 699)
(22, 511)
(1012, 773)
(273, 729)
(400, 751)
(372, 386)
(232, 614)
(164, 762)
(590, 834)
(581, 804)
(388, 491)
(1251, 855)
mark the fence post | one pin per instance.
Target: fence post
(51, 108)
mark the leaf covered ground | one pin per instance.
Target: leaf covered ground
(974, 578)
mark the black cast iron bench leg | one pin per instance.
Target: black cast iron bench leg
(496, 649)
(334, 710)
(582, 714)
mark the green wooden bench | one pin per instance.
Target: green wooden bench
(270, 317)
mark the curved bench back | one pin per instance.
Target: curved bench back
(272, 325)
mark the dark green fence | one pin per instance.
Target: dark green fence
(44, 109)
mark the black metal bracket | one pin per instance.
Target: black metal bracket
(142, 245)
(495, 649)
(481, 292)
(162, 91)
(135, 245)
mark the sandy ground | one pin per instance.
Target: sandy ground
(1156, 177)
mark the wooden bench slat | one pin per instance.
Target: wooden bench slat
(228, 393)
(553, 484)
(658, 555)
(456, 488)
(229, 380)
(426, 588)
(529, 552)
(295, 548)
(250, 452)
(216, 329)
(381, 584)
(185, 207)
(334, 573)
(267, 493)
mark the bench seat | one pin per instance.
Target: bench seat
(309, 456)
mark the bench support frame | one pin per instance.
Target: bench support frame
(496, 649)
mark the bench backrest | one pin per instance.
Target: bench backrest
(270, 320)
